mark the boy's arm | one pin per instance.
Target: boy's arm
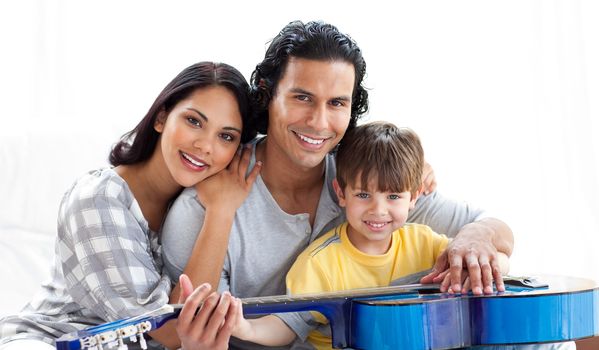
(268, 331)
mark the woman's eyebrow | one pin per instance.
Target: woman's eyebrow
(199, 113)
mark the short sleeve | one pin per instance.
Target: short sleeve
(305, 277)
(443, 215)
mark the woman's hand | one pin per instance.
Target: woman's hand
(211, 326)
(230, 186)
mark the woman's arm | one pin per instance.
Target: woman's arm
(221, 195)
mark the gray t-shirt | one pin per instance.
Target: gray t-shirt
(265, 240)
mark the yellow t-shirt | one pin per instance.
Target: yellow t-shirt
(332, 263)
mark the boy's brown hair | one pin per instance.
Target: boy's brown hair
(381, 149)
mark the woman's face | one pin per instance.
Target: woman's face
(200, 135)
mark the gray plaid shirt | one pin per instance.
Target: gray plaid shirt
(108, 264)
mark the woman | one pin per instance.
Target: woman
(108, 262)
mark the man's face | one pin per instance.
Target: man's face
(311, 109)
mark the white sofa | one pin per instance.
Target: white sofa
(38, 162)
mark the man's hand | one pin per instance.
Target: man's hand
(471, 259)
(429, 181)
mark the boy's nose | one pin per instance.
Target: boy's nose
(378, 208)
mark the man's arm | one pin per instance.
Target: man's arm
(477, 239)
(476, 249)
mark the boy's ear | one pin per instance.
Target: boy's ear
(160, 121)
(339, 192)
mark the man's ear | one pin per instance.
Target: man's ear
(160, 121)
(339, 192)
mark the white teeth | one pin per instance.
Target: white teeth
(192, 161)
(309, 140)
(376, 225)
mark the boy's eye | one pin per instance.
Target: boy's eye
(394, 196)
(362, 195)
(194, 121)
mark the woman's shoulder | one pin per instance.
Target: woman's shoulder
(97, 186)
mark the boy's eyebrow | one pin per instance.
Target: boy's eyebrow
(203, 116)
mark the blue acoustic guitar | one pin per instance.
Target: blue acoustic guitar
(548, 309)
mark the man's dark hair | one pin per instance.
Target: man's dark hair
(313, 41)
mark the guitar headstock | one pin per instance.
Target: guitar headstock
(114, 335)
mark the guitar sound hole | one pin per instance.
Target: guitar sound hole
(426, 291)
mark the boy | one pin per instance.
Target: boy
(379, 169)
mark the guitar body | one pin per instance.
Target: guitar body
(409, 317)
(567, 310)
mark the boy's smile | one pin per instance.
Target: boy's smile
(373, 215)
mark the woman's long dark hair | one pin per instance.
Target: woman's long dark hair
(138, 144)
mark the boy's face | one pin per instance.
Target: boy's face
(310, 109)
(373, 215)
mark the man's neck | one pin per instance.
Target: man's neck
(281, 174)
(295, 189)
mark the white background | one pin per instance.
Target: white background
(504, 94)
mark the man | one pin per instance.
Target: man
(308, 91)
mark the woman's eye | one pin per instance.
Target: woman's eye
(227, 137)
(194, 121)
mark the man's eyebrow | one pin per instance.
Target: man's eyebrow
(298, 90)
(301, 91)
(199, 113)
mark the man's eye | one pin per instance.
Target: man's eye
(303, 97)
(337, 103)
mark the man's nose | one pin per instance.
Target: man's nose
(318, 119)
